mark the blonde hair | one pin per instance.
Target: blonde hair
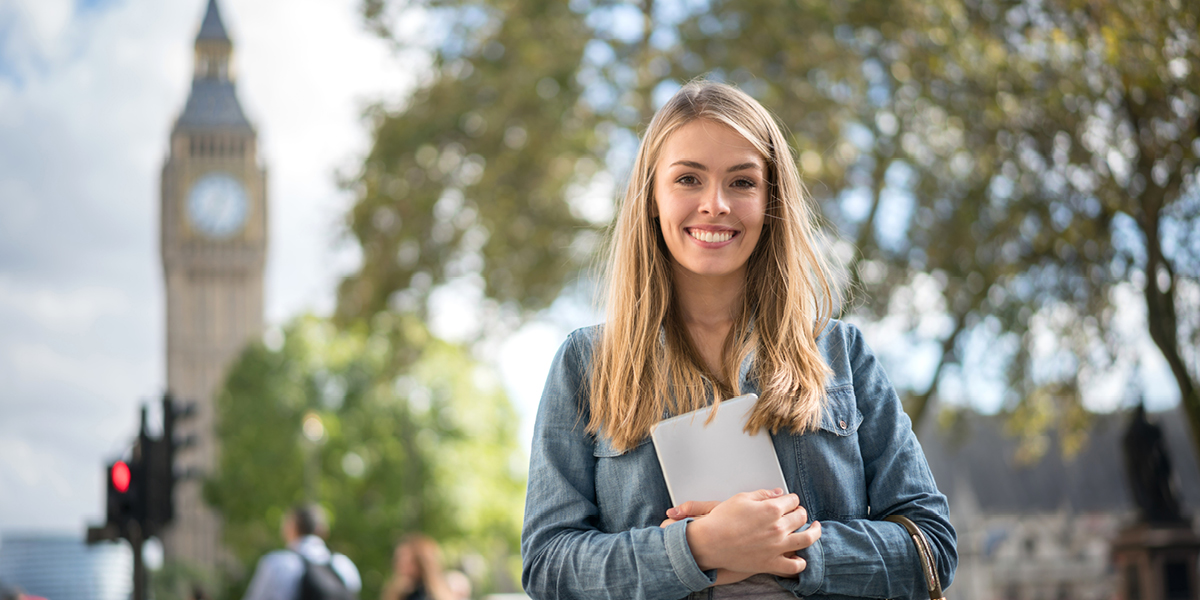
(644, 364)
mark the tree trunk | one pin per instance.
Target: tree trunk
(918, 405)
(1161, 318)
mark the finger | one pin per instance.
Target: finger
(803, 539)
(795, 519)
(763, 494)
(668, 522)
(787, 566)
(787, 503)
(691, 508)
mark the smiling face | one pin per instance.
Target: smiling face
(710, 194)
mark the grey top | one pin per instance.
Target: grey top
(212, 103)
(756, 586)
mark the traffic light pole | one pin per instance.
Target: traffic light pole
(139, 564)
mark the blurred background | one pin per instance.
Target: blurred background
(352, 234)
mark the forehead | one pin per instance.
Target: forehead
(706, 141)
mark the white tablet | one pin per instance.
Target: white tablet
(717, 460)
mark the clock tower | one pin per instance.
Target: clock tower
(214, 242)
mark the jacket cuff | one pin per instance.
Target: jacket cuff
(809, 581)
(680, 554)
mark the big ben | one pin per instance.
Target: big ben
(214, 242)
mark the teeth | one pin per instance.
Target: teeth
(711, 236)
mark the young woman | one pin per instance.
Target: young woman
(417, 572)
(717, 288)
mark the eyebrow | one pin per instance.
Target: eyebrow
(700, 167)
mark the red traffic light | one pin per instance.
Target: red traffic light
(121, 476)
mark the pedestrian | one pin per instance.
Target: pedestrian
(305, 566)
(417, 572)
(718, 286)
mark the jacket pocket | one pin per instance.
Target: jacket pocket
(841, 416)
(830, 461)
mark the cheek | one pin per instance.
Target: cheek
(656, 195)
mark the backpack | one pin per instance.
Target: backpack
(321, 582)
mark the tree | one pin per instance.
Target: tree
(324, 418)
(1055, 147)
(999, 173)
(466, 180)
(1009, 171)
(531, 108)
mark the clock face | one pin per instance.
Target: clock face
(217, 205)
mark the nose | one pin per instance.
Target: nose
(714, 202)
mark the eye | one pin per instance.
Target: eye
(688, 180)
(745, 183)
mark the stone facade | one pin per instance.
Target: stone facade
(1043, 530)
(213, 242)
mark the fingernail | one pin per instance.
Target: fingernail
(673, 512)
(777, 492)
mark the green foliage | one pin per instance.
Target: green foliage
(467, 180)
(429, 450)
(1003, 174)
(1051, 151)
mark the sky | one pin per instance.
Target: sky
(89, 90)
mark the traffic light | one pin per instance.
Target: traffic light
(141, 490)
(125, 501)
(162, 473)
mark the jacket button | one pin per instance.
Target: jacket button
(842, 423)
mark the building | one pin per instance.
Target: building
(213, 243)
(63, 567)
(1043, 530)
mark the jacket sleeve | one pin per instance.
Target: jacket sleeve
(564, 553)
(871, 557)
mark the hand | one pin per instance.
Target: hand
(752, 532)
(696, 510)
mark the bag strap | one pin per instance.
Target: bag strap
(925, 552)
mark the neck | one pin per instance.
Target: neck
(708, 301)
(708, 306)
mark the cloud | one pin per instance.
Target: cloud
(70, 310)
(90, 92)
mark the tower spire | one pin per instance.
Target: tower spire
(212, 28)
(213, 47)
(213, 101)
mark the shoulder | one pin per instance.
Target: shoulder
(582, 340)
(564, 396)
(842, 346)
(276, 570)
(344, 567)
(575, 354)
(281, 559)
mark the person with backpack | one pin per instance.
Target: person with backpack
(306, 569)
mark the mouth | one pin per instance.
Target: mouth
(711, 236)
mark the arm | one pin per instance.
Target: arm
(564, 553)
(871, 557)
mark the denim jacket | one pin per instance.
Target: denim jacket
(592, 514)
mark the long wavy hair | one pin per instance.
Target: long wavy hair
(644, 364)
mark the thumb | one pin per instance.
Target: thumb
(766, 494)
(691, 508)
